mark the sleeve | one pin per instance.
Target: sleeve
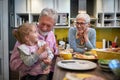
(55, 48)
(72, 40)
(48, 50)
(50, 54)
(92, 40)
(28, 60)
(16, 63)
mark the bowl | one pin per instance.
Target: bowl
(103, 64)
(65, 55)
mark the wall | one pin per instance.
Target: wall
(101, 33)
(108, 34)
(61, 33)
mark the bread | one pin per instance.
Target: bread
(75, 76)
(114, 49)
(93, 78)
(82, 56)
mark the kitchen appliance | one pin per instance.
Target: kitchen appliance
(62, 19)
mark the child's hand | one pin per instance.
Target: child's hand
(47, 61)
(41, 49)
(47, 70)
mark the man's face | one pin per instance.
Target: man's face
(81, 24)
(46, 24)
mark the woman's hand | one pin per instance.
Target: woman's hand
(86, 34)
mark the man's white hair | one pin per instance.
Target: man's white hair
(49, 12)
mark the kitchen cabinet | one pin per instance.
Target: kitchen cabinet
(37, 5)
(105, 6)
(108, 13)
(62, 6)
(21, 12)
(34, 17)
(21, 18)
(108, 5)
(103, 13)
(21, 6)
(83, 5)
(28, 10)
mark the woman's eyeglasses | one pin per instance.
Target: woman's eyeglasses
(80, 23)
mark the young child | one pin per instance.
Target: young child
(32, 52)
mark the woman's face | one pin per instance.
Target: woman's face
(46, 24)
(81, 24)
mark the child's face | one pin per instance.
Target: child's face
(33, 35)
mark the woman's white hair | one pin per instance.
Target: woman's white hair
(84, 16)
(49, 12)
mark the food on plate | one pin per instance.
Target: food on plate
(83, 56)
(103, 61)
(75, 76)
(113, 49)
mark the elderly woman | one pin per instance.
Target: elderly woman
(82, 37)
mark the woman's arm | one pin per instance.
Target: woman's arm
(72, 40)
(91, 43)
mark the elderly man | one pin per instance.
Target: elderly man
(81, 37)
(47, 20)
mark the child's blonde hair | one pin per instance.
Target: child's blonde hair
(22, 31)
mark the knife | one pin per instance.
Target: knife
(67, 61)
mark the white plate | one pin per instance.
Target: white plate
(77, 64)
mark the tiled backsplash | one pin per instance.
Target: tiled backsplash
(101, 33)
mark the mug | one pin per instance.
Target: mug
(94, 51)
(65, 55)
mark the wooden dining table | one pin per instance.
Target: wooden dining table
(59, 73)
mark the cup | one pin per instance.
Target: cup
(104, 43)
(113, 44)
(94, 52)
(65, 55)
